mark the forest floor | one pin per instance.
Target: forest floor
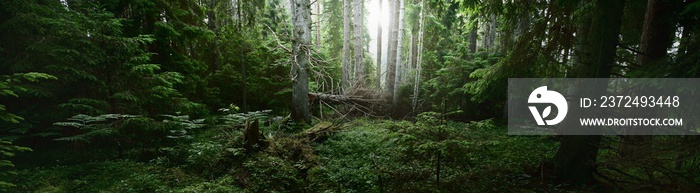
(358, 156)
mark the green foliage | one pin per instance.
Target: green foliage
(222, 185)
(352, 161)
(91, 127)
(7, 150)
(111, 176)
(270, 174)
(404, 156)
(10, 86)
(185, 124)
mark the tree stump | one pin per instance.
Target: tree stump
(251, 135)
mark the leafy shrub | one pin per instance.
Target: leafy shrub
(8, 150)
(264, 173)
(222, 184)
(91, 127)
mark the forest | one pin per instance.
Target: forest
(327, 95)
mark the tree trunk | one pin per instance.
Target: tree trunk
(656, 34)
(318, 23)
(473, 34)
(300, 46)
(523, 24)
(359, 20)
(211, 21)
(399, 48)
(654, 41)
(379, 51)
(576, 156)
(391, 56)
(419, 55)
(491, 33)
(346, 66)
(580, 51)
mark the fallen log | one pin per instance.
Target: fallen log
(342, 99)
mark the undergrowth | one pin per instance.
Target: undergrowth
(362, 155)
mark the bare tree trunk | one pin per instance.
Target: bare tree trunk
(391, 56)
(580, 51)
(300, 48)
(491, 33)
(359, 20)
(654, 41)
(379, 51)
(576, 157)
(656, 35)
(346, 66)
(318, 23)
(419, 55)
(211, 20)
(399, 49)
(473, 34)
(523, 25)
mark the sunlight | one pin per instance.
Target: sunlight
(375, 16)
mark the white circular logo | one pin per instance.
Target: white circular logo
(542, 95)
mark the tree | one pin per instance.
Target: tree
(300, 60)
(575, 159)
(399, 47)
(391, 56)
(346, 66)
(473, 34)
(419, 55)
(359, 53)
(656, 33)
(379, 51)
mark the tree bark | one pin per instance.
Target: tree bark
(211, 21)
(399, 49)
(346, 66)
(656, 34)
(419, 55)
(654, 41)
(359, 20)
(576, 156)
(473, 34)
(300, 47)
(490, 39)
(379, 51)
(391, 56)
(318, 23)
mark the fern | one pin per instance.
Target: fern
(186, 125)
(92, 126)
(240, 118)
(7, 150)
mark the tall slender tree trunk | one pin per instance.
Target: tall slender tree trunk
(399, 49)
(473, 33)
(655, 39)
(419, 55)
(391, 56)
(656, 34)
(211, 21)
(580, 51)
(414, 42)
(575, 159)
(318, 23)
(346, 65)
(359, 20)
(490, 38)
(379, 51)
(301, 15)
